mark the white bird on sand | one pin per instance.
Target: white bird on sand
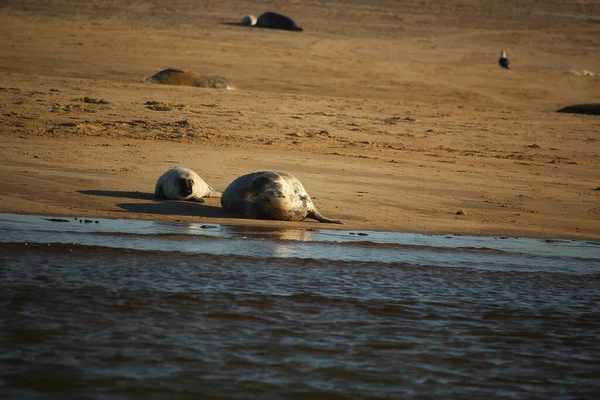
(503, 61)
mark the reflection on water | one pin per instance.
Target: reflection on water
(142, 309)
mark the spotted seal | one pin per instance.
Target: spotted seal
(271, 20)
(183, 184)
(271, 195)
(179, 77)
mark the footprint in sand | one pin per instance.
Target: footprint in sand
(91, 100)
(583, 72)
(159, 106)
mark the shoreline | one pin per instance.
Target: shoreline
(279, 230)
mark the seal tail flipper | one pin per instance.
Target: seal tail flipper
(214, 193)
(321, 218)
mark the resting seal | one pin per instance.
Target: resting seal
(271, 20)
(271, 195)
(183, 184)
(171, 76)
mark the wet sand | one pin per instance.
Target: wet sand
(394, 116)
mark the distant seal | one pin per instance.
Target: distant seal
(503, 61)
(271, 20)
(172, 76)
(271, 195)
(183, 184)
(587, 109)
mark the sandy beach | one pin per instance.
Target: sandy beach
(395, 116)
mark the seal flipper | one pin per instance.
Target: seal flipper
(214, 193)
(196, 199)
(314, 214)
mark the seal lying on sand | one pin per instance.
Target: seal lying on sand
(271, 20)
(587, 109)
(171, 76)
(183, 184)
(271, 195)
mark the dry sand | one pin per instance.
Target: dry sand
(394, 115)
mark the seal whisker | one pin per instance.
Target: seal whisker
(253, 199)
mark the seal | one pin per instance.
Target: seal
(183, 184)
(179, 77)
(271, 195)
(503, 61)
(272, 20)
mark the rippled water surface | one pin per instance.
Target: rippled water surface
(140, 309)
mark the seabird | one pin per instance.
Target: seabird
(503, 61)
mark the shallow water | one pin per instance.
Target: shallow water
(143, 309)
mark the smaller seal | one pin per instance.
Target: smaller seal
(271, 195)
(503, 61)
(179, 77)
(183, 184)
(274, 20)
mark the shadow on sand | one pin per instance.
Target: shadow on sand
(161, 207)
(174, 207)
(119, 194)
(236, 24)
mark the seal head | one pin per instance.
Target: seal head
(248, 20)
